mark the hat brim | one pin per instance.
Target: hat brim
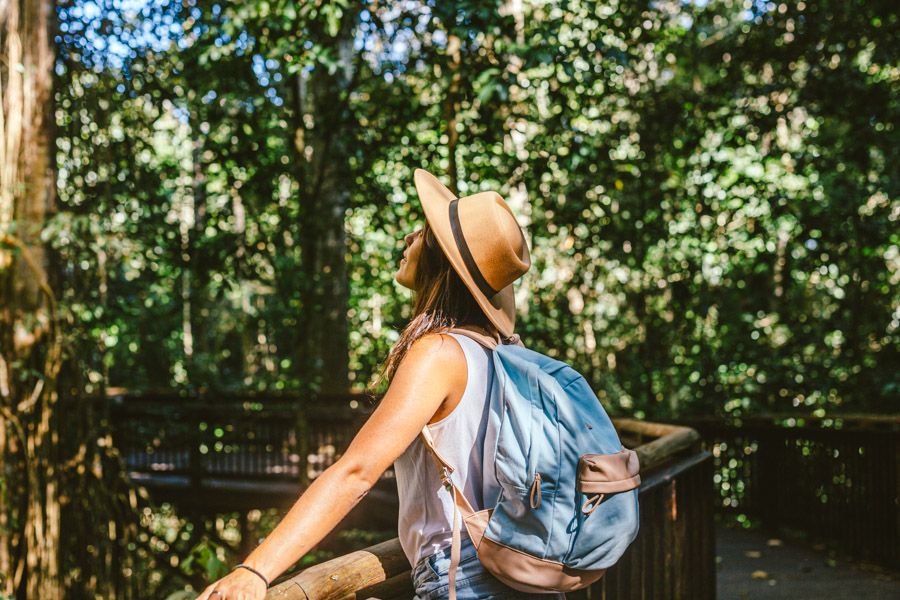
(435, 198)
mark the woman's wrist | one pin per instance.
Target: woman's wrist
(254, 570)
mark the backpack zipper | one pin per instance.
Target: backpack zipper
(536, 486)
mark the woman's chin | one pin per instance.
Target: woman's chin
(400, 277)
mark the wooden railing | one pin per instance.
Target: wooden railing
(836, 478)
(672, 557)
(239, 450)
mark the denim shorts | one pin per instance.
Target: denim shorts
(473, 582)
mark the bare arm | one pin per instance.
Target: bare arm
(423, 380)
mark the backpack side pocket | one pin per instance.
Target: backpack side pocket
(608, 473)
(606, 517)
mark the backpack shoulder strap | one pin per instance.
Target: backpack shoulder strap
(462, 509)
(488, 341)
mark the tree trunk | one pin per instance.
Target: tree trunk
(325, 143)
(452, 106)
(30, 345)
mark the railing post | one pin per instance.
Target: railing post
(894, 558)
(195, 440)
(302, 441)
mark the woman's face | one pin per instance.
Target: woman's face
(406, 273)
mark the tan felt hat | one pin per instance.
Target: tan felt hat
(484, 243)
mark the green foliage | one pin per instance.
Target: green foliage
(203, 558)
(710, 189)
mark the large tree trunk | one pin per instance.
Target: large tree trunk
(29, 340)
(325, 143)
(451, 107)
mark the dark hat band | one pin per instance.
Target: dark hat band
(467, 257)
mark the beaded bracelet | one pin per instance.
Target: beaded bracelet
(263, 577)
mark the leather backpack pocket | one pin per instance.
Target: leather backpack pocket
(608, 473)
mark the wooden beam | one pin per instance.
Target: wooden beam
(344, 576)
(670, 441)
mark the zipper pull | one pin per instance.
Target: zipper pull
(591, 504)
(536, 485)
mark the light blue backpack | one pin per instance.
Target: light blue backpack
(568, 503)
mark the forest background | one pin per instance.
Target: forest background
(213, 196)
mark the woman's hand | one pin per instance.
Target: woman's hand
(240, 584)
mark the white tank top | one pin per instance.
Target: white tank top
(426, 507)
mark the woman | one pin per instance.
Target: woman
(461, 266)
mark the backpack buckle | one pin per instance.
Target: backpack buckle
(445, 479)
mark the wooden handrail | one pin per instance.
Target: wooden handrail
(343, 576)
(382, 570)
(845, 421)
(834, 477)
(669, 440)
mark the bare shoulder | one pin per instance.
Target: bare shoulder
(438, 349)
(435, 359)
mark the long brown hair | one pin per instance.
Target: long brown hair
(441, 301)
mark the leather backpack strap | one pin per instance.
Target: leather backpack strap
(461, 506)
(486, 340)
(445, 468)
